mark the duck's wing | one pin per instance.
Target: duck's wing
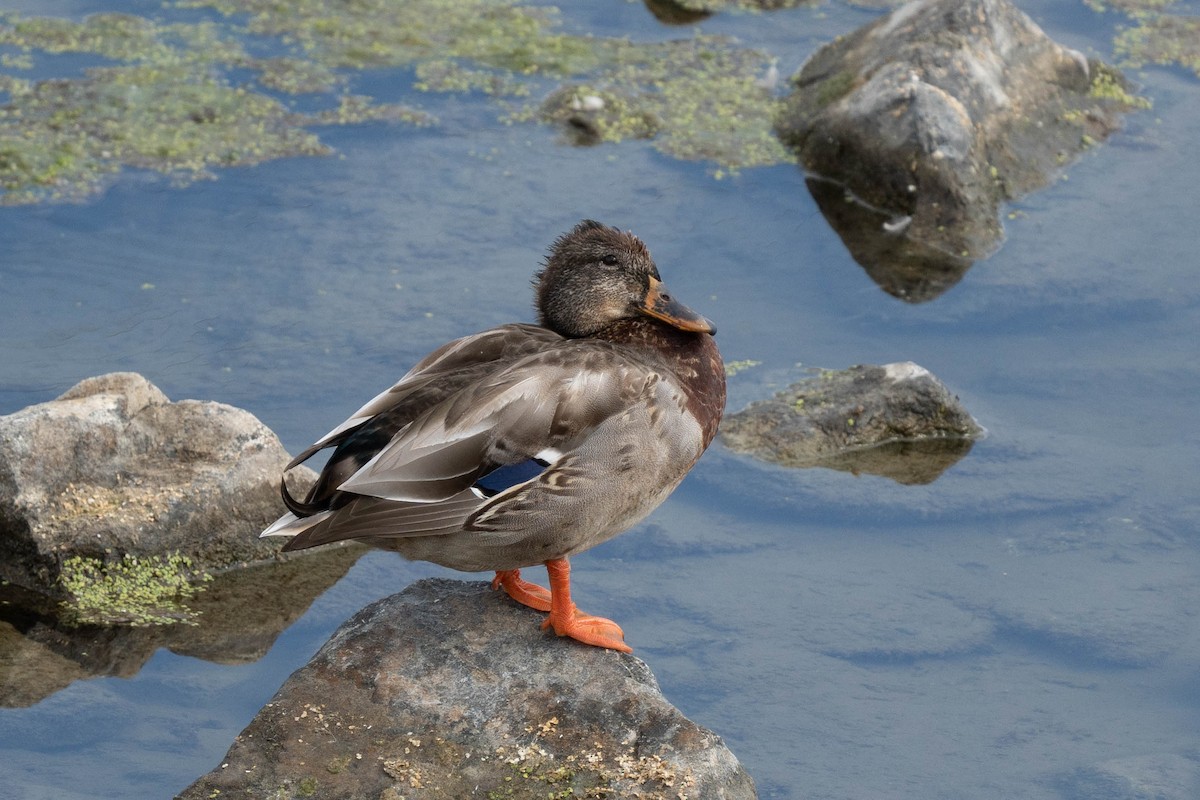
(540, 407)
(550, 406)
(438, 375)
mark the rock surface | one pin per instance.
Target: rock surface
(451, 690)
(939, 111)
(112, 467)
(895, 420)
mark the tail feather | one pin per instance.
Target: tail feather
(379, 520)
(297, 507)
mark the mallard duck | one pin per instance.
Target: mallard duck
(526, 444)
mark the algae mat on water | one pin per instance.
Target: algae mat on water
(185, 97)
(168, 97)
(130, 591)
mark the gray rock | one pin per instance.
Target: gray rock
(936, 113)
(895, 420)
(113, 467)
(451, 690)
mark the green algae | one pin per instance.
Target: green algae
(1133, 8)
(734, 367)
(166, 105)
(698, 99)
(59, 138)
(120, 37)
(1163, 39)
(168, 101)
(1156, 37)
(449, 76)
(296, 75)
(162, 107)
(837, 87)
(132, 591)
(353, 109)
(745, 6)
(381, 33)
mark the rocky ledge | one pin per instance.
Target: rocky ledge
(113, 468)
(451, 690)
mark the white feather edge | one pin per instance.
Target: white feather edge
(290, 525)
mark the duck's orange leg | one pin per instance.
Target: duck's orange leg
(521, 590)
(567, 620)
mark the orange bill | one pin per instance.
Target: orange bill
(661, 305)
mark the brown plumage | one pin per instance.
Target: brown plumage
(526, 444)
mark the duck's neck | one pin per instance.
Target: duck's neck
(692, 357)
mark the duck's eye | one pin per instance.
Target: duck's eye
(609, 260)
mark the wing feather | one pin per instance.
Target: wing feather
(547, 403)
(440, 373)
(375, 518)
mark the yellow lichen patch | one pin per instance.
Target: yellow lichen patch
(128, 501)
(651, 770)
(403, 771)
(1107, 85)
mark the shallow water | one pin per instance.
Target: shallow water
(1023, 627)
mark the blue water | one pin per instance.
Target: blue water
(1025, 626)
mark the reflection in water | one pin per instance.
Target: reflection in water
(912, 463)
(240, 614)
(670, 12)
(910, 270)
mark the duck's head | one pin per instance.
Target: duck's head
(596, 275)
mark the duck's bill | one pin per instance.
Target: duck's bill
(661, 305)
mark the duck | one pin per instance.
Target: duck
(526, 444)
